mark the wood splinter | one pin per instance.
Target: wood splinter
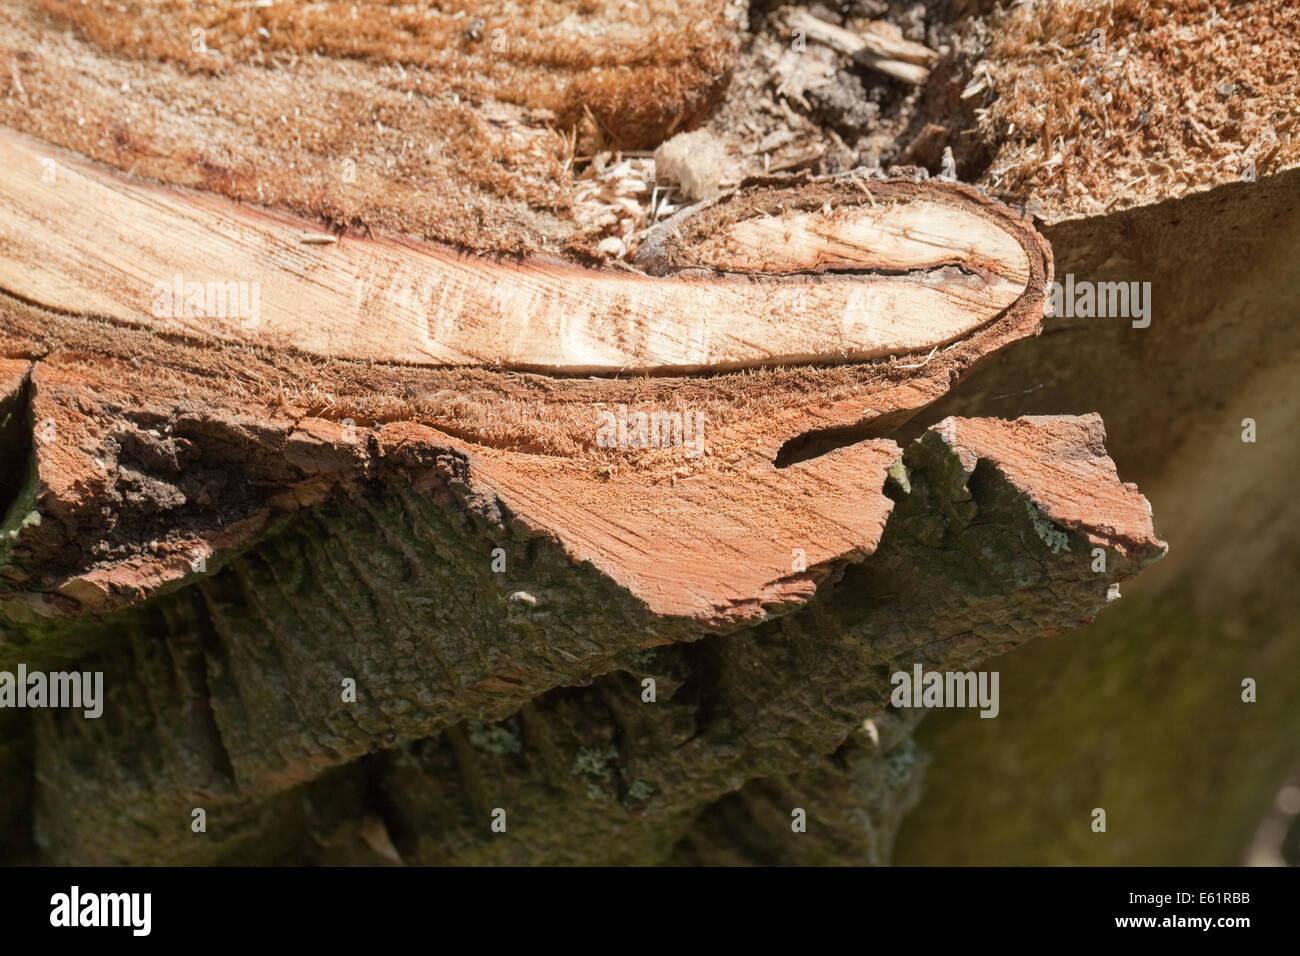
(894, 56)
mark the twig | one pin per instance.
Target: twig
(901, 59)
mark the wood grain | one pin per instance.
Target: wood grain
(863, 279)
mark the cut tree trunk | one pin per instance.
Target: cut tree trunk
(253, 554)
(627, 550)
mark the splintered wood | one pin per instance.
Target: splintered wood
(891, 55)
(865, 274)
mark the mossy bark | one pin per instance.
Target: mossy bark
(227, 695)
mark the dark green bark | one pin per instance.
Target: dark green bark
(226, 694)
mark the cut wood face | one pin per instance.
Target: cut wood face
(840, 275)
(894, 237)
(845, 301)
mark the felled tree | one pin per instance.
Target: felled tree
(394, 549)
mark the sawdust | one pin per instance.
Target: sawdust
(507, 128)
(1095, 106)
(464, 145)
(643, 70)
